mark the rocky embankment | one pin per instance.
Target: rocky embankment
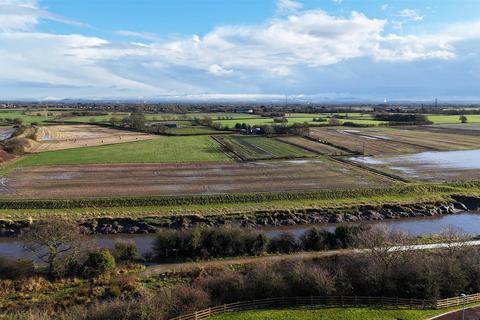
(107, 225)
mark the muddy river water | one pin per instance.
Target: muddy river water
(468, 222)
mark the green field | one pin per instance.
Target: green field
(257, 148)
(331, 314)
(97, 119)
(27, 119)
(171, 149)
(192, 130)
(446, 119)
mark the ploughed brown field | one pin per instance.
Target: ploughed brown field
(76, 181)
(76, 136)
(395, 141)
(358, 142)
(313, 146)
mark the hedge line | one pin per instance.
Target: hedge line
(227, 198)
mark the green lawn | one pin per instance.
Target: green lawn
(166, 149)
(331, 314)
(446, 119)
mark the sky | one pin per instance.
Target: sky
(325, 50)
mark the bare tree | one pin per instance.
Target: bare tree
(382, 243)
(51, 239)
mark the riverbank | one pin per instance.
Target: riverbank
(261, 218)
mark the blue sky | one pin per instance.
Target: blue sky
(241, 49)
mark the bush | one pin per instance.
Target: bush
(188, 299)
(316, 239)
(125, 251)
(98, 262)
(285, 243)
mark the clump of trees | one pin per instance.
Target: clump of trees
(204, 243)
(403, 118)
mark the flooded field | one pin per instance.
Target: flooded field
(74, 181)
(469, 223)
(360, 142)
(430, 166)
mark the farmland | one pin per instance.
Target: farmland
(75, 136)
(171, 149)
(445, 166)
(359, 143)
(74, 181)
(313, 146)
(424, 138)
(260, 148)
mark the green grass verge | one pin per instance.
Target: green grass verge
(363, 313)
(171, 149)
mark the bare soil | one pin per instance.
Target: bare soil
(76, 181)
(75, 136)
(357, 142)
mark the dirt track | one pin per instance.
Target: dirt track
(179, 179)
(76, 136)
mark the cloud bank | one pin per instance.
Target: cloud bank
(286, 53)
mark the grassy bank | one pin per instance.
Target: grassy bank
(236, 204)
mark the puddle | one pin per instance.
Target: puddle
(62, 176)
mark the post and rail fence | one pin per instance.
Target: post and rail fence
(331, 301)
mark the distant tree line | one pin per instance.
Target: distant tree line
(399, 118)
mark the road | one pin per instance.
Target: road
(470, 314)
(186, 266)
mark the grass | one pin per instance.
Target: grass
(447, 119)
(192, 130)
(97, 119)
(256, 148)
(340, 204)
(27, 119)
(171, 149)
(363, 313)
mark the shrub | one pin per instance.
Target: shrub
(98, 262)
(188, 299)
(125, 251)
(316, 239)
(285, 243)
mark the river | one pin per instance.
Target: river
(468, 222)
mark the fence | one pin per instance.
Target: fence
(332, 301)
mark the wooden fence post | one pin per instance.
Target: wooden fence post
(196, 316)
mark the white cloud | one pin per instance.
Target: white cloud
(337, 1)
(410, 15)
(218, 70)
(384, 7)
(135, 34)
(288, 6)
(238, 58)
